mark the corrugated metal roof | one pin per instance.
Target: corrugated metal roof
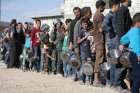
(54, 13)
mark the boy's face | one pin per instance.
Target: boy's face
(66, 33)
(46, 32)
(128, 3)
(137, 24)
(38, 24)
(102, 8)
(19, 26)
(25, 26)
(58, 25)
(88, 15)
(116, 7)
(84, 25)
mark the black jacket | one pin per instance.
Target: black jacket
(123, 21)
(20, 37)
(71, 32)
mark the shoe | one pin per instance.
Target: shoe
(108, 86)
(76, 79)
(54, 73)
(59, 75)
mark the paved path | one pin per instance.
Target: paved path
(16, 81)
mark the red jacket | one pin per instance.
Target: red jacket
(34, 38)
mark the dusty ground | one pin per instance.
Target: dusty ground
(16, 81)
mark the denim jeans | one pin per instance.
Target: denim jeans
(135, 73)
(24, 58)
(115, 72)
(76, 73)
(114, 75)
(42, 61)
(86, 78)
(67, 69)
(135, 85)
(37, 55)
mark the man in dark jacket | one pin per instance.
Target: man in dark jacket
(19, 42)
(123, 18)
(77, 13)
(12, 47)
(123, 24)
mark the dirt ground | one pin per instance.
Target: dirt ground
(17, 81)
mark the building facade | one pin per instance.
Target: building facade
(135, 7)
(66, 10)
(68, 6)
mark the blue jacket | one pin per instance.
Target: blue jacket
(132, 37)
(109, 28)
(109, 24)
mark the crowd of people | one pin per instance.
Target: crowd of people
(102, 52)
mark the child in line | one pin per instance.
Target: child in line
(65, 51)
(84, 43)
(109, 27)
(65, 55)
(44, 38)
(132, 37)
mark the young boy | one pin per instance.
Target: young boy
(65, 56)
(44, 38)
(84, 43)
(98, 39)
(132, 37)
(109, 26)
(35, 43)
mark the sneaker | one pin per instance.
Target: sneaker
(108, 86)
(54, 73)
(76, 79)
(59, 75)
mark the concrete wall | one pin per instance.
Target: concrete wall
(70, 4)
(135, 7)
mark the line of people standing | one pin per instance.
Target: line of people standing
(81, 43)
